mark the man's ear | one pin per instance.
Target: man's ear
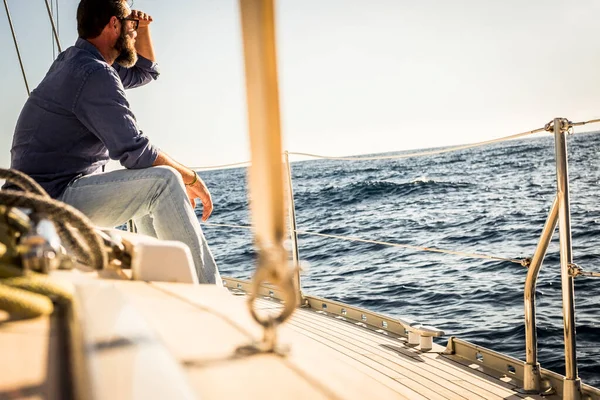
(113, 23)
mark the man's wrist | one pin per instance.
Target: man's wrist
(193, 182)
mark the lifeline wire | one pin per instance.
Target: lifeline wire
(590, 274)
(523, 262)
(223, 165)
(228, 226)
(424, 153)
(406, 246)
(592, 121)
(419, 154)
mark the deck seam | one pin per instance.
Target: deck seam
(483, 381)
(438, 389)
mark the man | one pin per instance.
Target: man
(79, 117)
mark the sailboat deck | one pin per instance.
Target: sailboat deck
(329, 358)
(135, 331)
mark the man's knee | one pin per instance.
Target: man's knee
(167, 174)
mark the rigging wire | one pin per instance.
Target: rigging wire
(53, 27)
(56, 18)
(14, 36)
(51, 38)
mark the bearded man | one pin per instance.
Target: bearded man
(79, 117)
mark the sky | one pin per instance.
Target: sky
(355, 77)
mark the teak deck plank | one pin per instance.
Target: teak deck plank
(205, 342)
(328, 372)
(423, 376)
(30, 359)
(413, 364)
(417, 383)
(428, 367)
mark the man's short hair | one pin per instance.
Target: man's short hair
(93, 15)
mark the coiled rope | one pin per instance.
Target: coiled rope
(524, 261)
(90, 251)
(29, 294)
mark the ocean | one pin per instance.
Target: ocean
(492, 200)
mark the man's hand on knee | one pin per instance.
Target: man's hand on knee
(194, 185)
(199, 190)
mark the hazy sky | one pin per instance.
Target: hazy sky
(355, 76)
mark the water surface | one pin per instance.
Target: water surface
(492, 200)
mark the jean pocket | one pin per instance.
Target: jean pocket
(75, 179)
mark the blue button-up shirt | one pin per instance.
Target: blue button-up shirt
(79, 117)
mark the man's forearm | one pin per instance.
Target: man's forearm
(163, 159)
(143, 43)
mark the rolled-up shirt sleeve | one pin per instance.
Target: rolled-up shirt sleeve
(143, 72)
(102, 107)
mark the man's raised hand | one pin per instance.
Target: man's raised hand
(144, 18)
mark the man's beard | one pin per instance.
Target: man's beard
(126, 48)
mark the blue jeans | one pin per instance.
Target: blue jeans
(155, 198)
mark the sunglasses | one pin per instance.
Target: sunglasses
(135, 22)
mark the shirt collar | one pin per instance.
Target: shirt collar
(85, 45)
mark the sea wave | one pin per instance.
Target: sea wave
(370, 190)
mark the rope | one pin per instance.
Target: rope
(24, 303)
(424, 153)
(25, 293)
(405, 246)
(29, 294)
(29, 185)
(91, 250)
(22, 181)
(59, 212)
